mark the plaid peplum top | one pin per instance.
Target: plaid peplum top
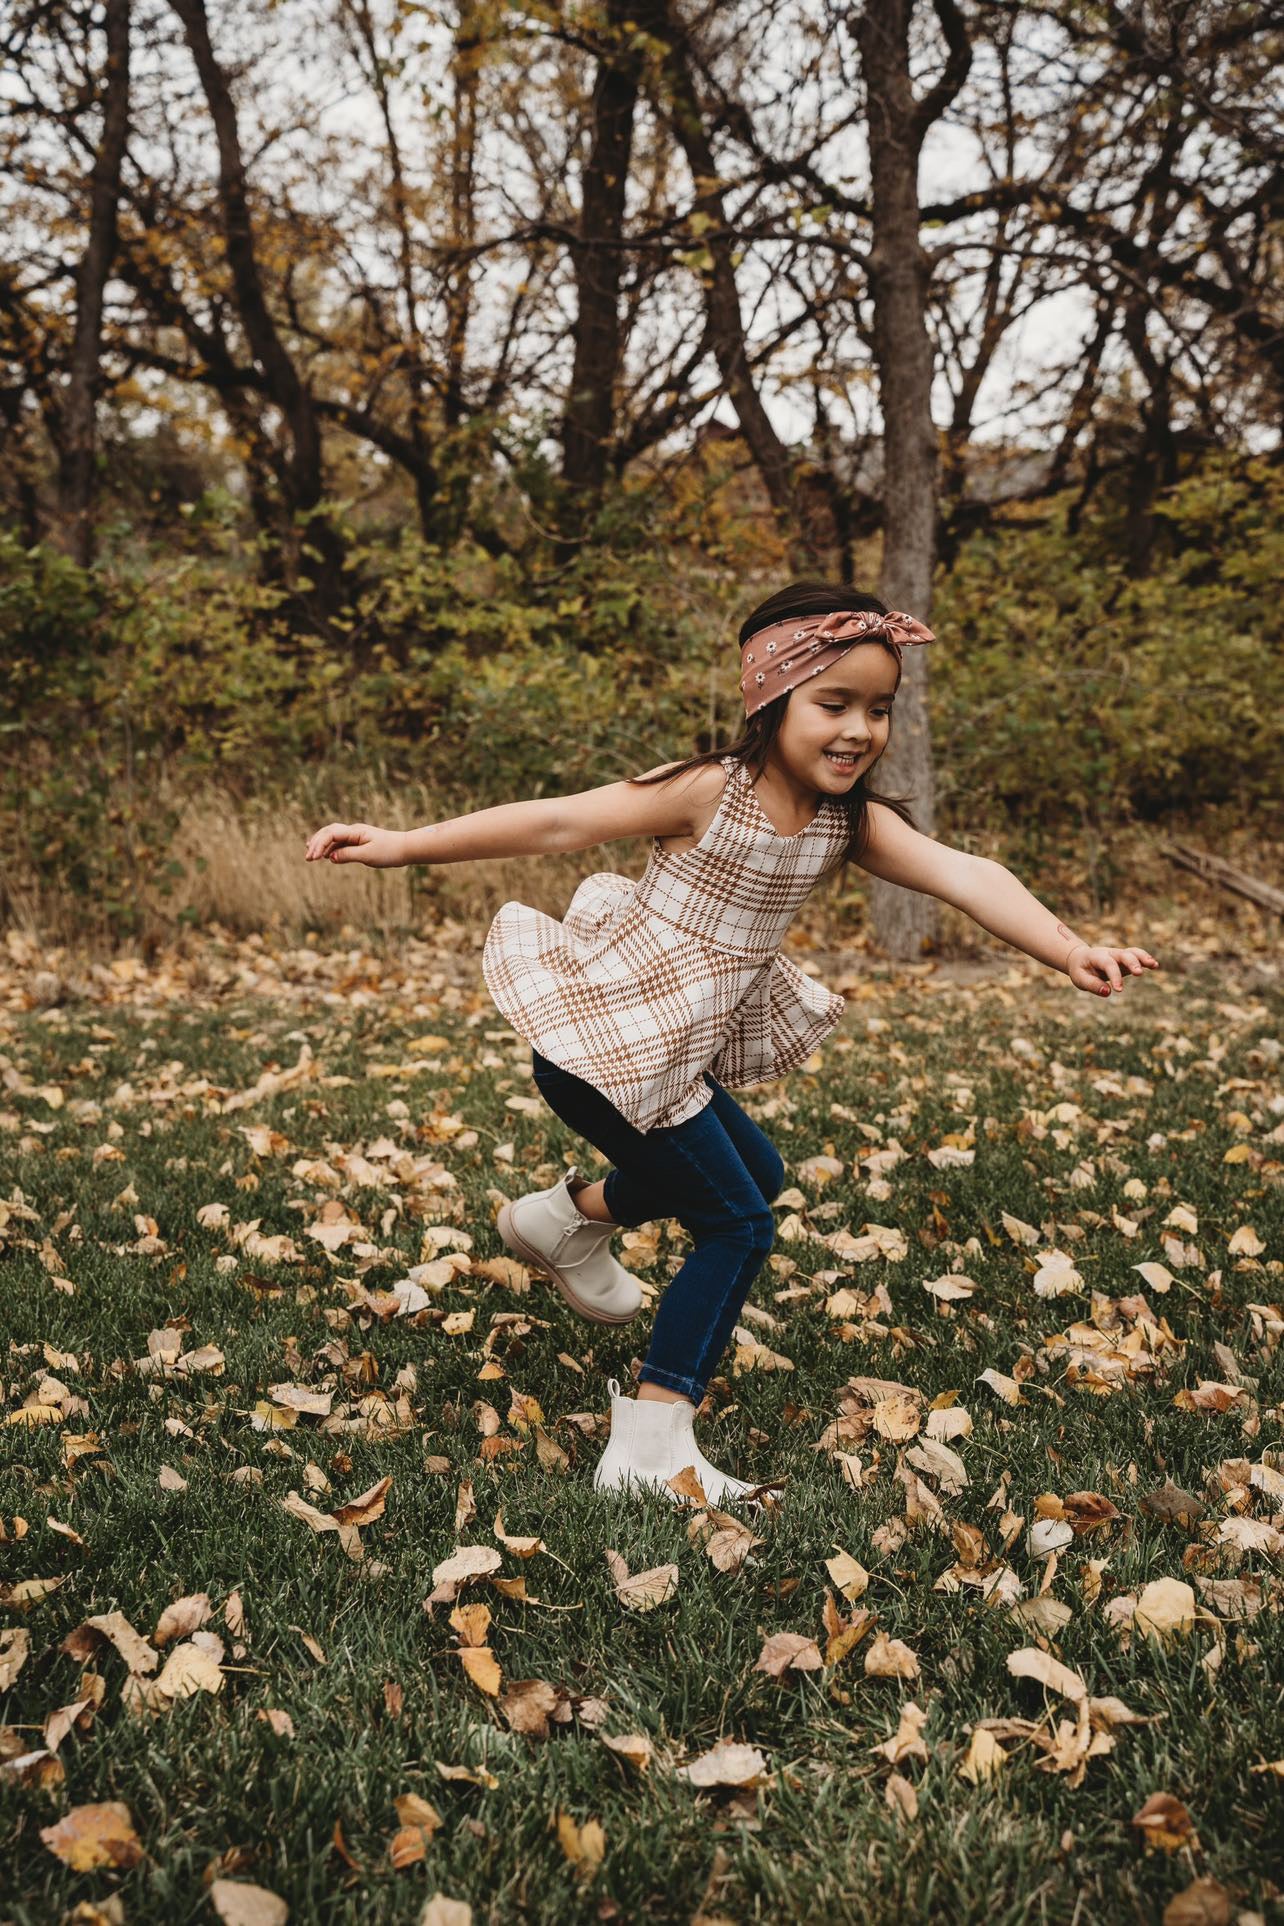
(644, 985)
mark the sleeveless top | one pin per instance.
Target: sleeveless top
(644, 985)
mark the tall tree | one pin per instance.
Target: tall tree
(377, 63)
(77, 465)
(304, 472)
(897, 122)
(597, 257)
(677, 99)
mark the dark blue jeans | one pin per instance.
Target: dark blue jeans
(717, 1173)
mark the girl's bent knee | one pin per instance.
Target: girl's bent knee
(746, 1233)
(760, 1228)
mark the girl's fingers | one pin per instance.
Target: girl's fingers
(327, 842)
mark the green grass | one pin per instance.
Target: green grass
(210, 1786)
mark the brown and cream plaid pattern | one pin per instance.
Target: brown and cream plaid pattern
(644, 985)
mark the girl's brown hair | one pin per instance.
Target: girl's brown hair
(799, 601)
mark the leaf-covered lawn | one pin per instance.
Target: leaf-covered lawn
(306, 1592)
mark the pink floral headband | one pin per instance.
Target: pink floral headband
(778, 658)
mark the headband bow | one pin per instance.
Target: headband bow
(787, 653)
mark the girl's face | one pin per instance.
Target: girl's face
(836, 724)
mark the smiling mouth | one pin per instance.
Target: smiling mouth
(841, 761)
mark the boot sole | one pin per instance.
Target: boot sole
(504, 1225)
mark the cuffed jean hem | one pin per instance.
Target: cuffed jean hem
(610, 1185)
(688, 1387)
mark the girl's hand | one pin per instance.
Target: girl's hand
(358, 843)
(1101, 970)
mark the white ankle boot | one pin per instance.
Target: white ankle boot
(548, 1230)
(650, 1442)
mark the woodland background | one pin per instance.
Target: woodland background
(403, 404)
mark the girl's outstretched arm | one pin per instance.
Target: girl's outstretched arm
(540, 827)
(996, 899)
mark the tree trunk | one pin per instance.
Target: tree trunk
(904, 920)
(598, 260)
(680, 105)
(465, 68)
(303, 471)
(76, 454)
(423, 471)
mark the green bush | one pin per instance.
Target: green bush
(1066, 690)
(1063, 691)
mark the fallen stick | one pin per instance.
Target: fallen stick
(1215, 869)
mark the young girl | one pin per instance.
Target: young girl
(649, 997)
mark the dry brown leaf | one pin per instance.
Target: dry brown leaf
(298, 1507)
(636, 1747)
(584, 1845)
(788, 1652)
(725, 1764)
(468, 1775)
(365, 1509)
(685, 1484)
(1003, 1387)
(40, 1768)
(1042, 1614)
(1088, 1511)
(890, 1658)
(520, 1547)
(480, 1664)
(1165, 1609)
(1205, 1902)
(897, 1418)
(472, 1622)
(312, 1645)
(1171, 1505)
(1165, 1824)
(504, 1271)
(1032, 1663)
(138, 1655)
(470, 1561)
(419, 1821)
(907, 1740)
(937, 1460)
(901, 1797)
(95, 1835)
(441, 1911)
(642, 1591)
(240, 1903)
(727, 1540)
(59, 1723)
(190, 1668)
(985, 1757)
(408, 1845)
(849, 1575)
(844, 1634)
(15, 1650)
(1250, 1535)
(29, 1591)
(182, 1617)
(950, 1289)
(527, 1705)
(300, 1398)
(549, 1453)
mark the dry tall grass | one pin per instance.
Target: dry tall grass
(244, 871)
